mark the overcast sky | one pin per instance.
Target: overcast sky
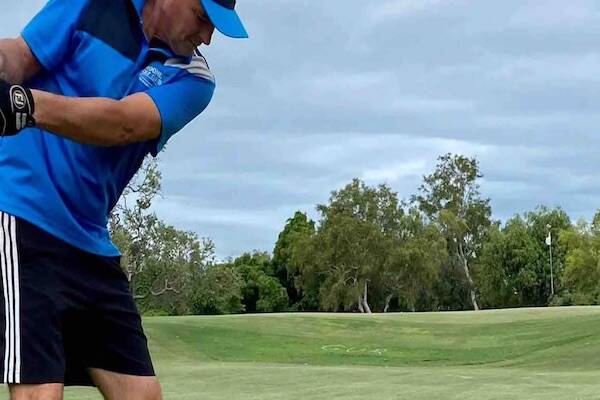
(325, 91)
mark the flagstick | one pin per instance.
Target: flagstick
(549, 243)
(551, 272)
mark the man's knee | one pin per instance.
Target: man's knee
(147, 391)
(151, 392)
(115, 386)
(51, 391)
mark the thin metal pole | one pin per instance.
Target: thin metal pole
(551, 272)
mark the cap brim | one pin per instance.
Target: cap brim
(225, 20)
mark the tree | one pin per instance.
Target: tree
(514, 263)
(296, 229)
(354, 254)
(582, 261)
(510, 266)
(219, 291)
(450, 198)
(537, 223)
(414, 264)
(261, 290)
(347, 254)
(130, 223)
(171, 270)
(160, 261)
(308, 275)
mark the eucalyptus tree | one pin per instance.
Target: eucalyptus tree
(450, 198)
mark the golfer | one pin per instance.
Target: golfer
(86, 92)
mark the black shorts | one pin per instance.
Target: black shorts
(63, 310)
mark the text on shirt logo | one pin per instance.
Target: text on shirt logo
(151, 76)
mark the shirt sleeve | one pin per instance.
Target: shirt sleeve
(50, 33)
(179, 103)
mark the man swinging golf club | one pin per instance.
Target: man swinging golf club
(86, 92)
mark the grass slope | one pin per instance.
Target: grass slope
(517, 354)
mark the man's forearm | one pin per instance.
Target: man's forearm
(94, 120)
(17, 63)
(5, 74)
(7, 71)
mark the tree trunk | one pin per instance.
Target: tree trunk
(365, 302)
(360, 305)
(469, 279)
(387, 303)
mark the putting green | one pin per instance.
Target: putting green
(514, 354)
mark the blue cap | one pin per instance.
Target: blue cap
(223, 16)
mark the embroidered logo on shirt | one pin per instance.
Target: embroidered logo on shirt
(151, 76)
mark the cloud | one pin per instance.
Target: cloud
(425, 105)
(394, 9)
(554, 14)
(551, 69)
(327, 91)
(183, 210)
(393, 172)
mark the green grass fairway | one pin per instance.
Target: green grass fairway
(504, 354)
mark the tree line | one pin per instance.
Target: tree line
(369, 251)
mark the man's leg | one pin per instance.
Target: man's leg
(51, 391)
(110, 334)
(114, 386)
(31, 302)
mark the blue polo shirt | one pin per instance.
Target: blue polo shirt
(93, 48)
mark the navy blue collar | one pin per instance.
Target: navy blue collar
(139, 6)
(160, 48)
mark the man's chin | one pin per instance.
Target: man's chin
(186, 53)
(183, 50)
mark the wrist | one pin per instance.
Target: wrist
(39, 98)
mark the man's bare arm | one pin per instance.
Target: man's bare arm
(98, 121)
(5, 75)
(88, 120)
(17, 62)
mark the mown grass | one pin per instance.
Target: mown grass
(513, 354)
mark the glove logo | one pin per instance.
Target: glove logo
(19, 99)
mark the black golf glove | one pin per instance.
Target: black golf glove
(16, 109)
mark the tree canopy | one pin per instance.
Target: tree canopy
(368, 251)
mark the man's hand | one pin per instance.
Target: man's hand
(16, 109)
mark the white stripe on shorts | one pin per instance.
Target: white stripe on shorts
(9, 262)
